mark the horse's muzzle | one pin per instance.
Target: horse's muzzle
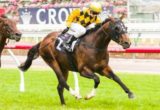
(126, 45)
(18, 36)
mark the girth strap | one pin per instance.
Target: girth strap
(71, 61)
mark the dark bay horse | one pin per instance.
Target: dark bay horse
(89, 57)
(8, 30)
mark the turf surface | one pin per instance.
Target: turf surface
(41, 92)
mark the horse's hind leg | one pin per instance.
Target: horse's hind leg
(60, 88)
(62, 77)
(107, 71)
(86, 72)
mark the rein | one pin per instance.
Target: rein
(91, 46)
(105, 32)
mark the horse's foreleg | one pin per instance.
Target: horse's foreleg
(107, 71)
(86, 72)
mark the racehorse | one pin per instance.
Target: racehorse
(8, 30)
(89, 57)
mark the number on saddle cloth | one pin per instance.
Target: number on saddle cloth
(64, 41)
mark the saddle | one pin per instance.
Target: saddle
(66, 42)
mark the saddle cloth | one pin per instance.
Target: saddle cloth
(61, 43)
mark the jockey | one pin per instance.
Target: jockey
(78, 22)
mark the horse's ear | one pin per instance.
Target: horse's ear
(124, 15)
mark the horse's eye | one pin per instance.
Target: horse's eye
(117, 29)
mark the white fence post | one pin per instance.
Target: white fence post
(76, 82)
(22, 88)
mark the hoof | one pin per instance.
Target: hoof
(88, 97)
(21, 67)
(63, 105)
(78, 97)
(91, 94)
(131, 96)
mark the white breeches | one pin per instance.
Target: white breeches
(77, 30)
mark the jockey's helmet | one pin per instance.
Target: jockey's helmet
(95, 7)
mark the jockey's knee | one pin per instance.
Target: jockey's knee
(65, 30)
(77, 30)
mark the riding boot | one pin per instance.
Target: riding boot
(65, 40)
(68, 43)
(61, 38)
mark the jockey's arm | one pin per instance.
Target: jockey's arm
(98, 20)
(92, 25)
(72, 17)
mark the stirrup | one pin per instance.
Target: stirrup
(73, 45)
(70, 47)
(67, 47)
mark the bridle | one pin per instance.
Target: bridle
(6, 29)
(115, 35)
(117, 28)
(90, 45)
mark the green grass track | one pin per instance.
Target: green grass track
(41, 92)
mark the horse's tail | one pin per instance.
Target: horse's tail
(33, 53)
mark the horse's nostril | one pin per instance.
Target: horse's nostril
(18, 34)
(127, 43)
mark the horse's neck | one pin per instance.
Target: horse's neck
(102, 38)
(99, 39)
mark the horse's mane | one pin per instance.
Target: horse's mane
(97, 26)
